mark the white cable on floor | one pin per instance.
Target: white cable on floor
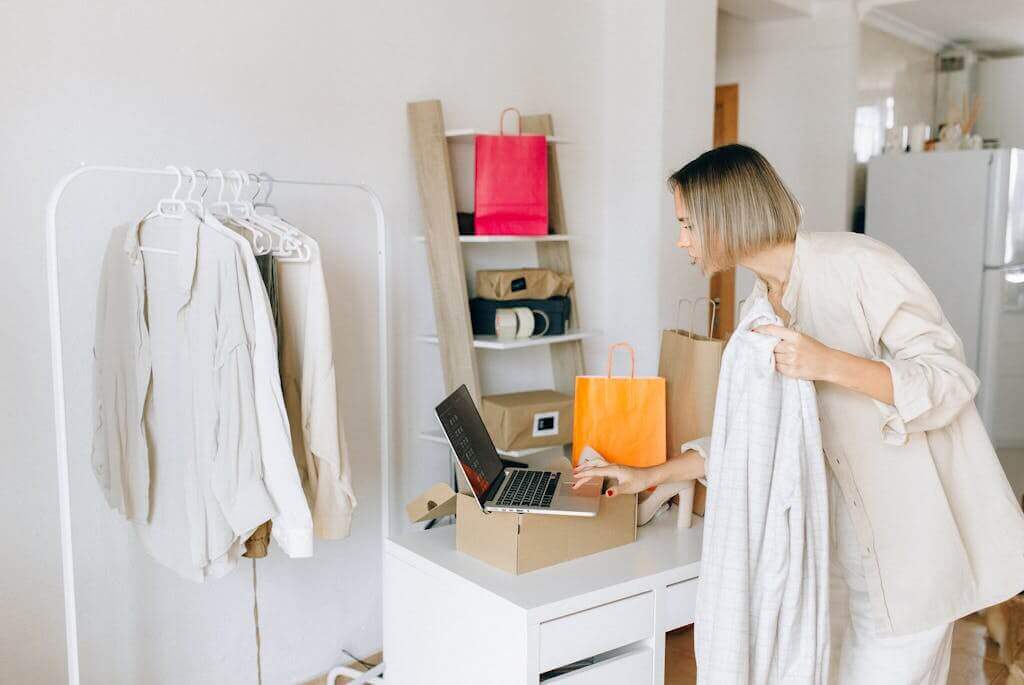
(256, 622)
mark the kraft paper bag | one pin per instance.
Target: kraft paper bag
(690, 363)
(622, 417)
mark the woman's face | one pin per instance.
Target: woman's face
(685, 232)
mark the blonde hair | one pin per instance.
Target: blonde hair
(737, 205)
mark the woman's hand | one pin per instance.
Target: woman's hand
(800, 356)
(628, 479)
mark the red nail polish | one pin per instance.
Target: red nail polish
(611, 493)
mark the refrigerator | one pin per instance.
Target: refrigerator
(958, 218)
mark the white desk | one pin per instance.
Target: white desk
(450, 619)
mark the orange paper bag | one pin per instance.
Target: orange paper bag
(622, 417)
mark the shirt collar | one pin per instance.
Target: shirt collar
(791, 294)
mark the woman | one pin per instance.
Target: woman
(925, 528)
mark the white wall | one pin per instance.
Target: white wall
(797, 90)
(1002, 111)
(889, 67)
(659, 105)
(315, 90)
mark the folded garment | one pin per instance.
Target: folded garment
(522, 284)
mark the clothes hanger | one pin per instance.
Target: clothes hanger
(170, 207)
(302, 243)
(229, 212)
(194, 206)
(244, 213)
(293, 245)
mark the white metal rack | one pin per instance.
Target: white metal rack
(60, 403)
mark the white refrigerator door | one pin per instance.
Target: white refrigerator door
(933, 208)
(1005, 242)
(1001, 396)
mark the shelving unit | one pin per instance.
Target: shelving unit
(436, 436)
(491, 342)
(444, 246)
(468, 135)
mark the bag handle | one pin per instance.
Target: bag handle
(693, 314)
(632, 358)
(519, 121)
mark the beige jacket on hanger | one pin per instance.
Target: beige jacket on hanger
(176, 447)
(940, 532)
(311, 395)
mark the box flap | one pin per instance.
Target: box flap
(436, 502)
(491, 537)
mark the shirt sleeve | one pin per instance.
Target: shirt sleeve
(701, 446)
(237, 479)
(335, 500)
(930, 379)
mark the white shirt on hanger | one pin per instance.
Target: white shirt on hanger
(174, 388)
(293, 524)
(311, 397)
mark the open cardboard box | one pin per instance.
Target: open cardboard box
(519, 543)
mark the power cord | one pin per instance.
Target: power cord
(256, 622)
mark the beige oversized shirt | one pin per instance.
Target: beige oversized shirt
(940, 532)
(176, 448)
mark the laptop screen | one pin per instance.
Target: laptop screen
(468, 436)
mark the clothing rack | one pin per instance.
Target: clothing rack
(60, 403)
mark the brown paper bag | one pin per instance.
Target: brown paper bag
(689, 363)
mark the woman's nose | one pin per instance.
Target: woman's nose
(684, 240)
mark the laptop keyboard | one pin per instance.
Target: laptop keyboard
(530, 489)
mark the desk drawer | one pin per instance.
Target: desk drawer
(680, 604)
(635, 667)
(593, 631)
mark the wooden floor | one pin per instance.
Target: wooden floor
(680, 665)
(974, 659)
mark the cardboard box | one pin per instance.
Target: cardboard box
(519, 543)
(524, 420)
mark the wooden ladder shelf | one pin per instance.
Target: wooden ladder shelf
(444, 246)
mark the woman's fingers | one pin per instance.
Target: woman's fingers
(585, 475)
(594, 471)
(776, 331)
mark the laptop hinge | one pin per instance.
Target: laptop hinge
(495, 488)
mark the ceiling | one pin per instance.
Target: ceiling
(993, 27)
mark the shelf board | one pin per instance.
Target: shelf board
(468, 135)
(491, 342)
(475, 239)
(438, 437)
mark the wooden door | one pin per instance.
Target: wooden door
(723, 285)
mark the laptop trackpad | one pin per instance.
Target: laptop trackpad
(592, 488)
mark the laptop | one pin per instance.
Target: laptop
(499, 488)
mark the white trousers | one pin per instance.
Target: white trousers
(859, 657)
